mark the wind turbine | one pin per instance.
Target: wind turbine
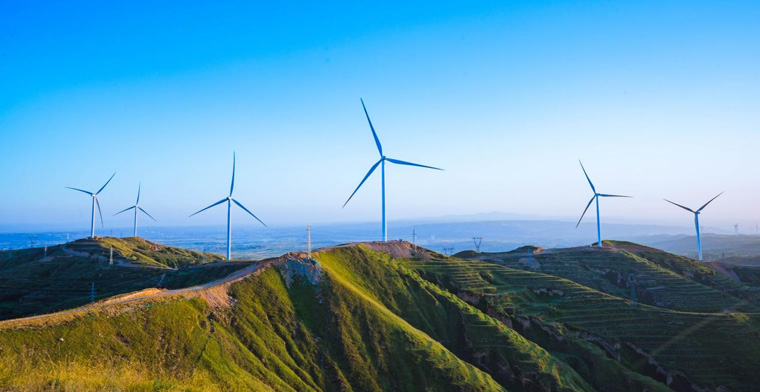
(229, 201)
(381, 162)
(136, 207)
(94, 203)
(696, 221)
(596, 197)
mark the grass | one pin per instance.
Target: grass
(31, 284)
(380, 324)
(305, 338)
(712, 349)
(657, 278)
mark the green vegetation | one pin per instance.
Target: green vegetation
(375, 323)
(31, 284)
(709, 349)
(639, 273)
(303, 338)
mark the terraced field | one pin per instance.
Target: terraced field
(638, 273)
(711, 349)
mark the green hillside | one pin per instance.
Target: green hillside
(32, 284)
(333, 336)
(361, 320)
(690, 349)
(636, 272)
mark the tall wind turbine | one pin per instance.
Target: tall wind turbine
(229, 201)
(596, 197)
(94, 203)
(696, 221)
(136, 207)
(381, 162)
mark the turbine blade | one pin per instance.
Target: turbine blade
(398, 162)
(80, 190)
(100, 213)
(374, 134)
(124, 210)
(606, 195)
(138, 193)
(215, 204)
(364, 179)
(246, 210)
(104, 185)
(232, 186)
(584, 211)
(676, 204)
(589, 180)
(700, 208)
(146, 213)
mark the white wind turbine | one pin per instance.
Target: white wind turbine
(95, 202)
(596, 197)
(381, 162)
(136, 207)
(229, 201)
(696, 221)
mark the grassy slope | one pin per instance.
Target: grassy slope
(661, 279)
(336, 337)
(32, 285)
(140, 251)
(711, 349)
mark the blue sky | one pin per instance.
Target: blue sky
(659, 99)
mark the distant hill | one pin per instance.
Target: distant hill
(383, 316)
(33, 281)
(636, 272)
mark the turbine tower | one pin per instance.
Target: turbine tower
(596, 197)
(136, 207)
(229, 201)
(696, 221)
(381, 162)
(94, 203)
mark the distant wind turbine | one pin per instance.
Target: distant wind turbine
(136, 207)
(229, 201)
(381, 162)
(596, 197)
(696, 221)
(94, 203)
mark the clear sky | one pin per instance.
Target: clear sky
(658, 98)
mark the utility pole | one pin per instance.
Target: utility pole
(414, 240)
(736, 229)
(92, 293)
(110, 257)
(477, 241)
(308, 241)
(44, 253)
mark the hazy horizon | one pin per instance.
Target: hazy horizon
(658, 100)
